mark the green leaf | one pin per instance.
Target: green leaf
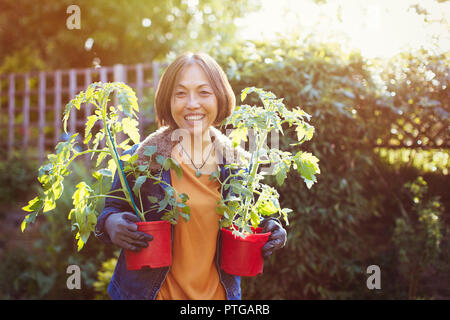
(215, 175)
(105, 172)
(89, 124)
(285, 212)
(160, 159)
(88, 138)
(58, 188)
(238, 135)
(184, 197)
(49, 202)
(34, 205)
(167, 164)
(80, 243)
(130, 127)
(90, 92)
(309, 131)
(185, 216)
(149, 151)
(307, 166)
(101, 157)
(127, 98)
(281, 176)
(301, 132)
(112, 166)
(163, 204)
(175, 166)
(29, 218)
(143, 167)
(125, 157)
(254, 218)
(81, 193)
(138, 184)
(71, 214)
(186, 209)
(267, 208)
(244, 94)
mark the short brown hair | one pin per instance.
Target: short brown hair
(216, 76)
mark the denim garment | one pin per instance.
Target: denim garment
(146, 283)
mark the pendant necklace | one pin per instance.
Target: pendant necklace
(197, 171)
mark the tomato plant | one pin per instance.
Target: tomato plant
(87, 195)
(251, 199)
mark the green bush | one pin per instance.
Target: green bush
(39, 272)
(352, 218)
(17, 179)
(346, 221)
(417, 236)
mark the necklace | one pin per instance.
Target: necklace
(197, 171)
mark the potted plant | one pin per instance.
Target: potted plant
(250, 199)
(88, 196)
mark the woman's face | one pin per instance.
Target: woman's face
(193, 103)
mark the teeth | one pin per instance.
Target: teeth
(193, 118)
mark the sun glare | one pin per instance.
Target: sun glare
(378, 28)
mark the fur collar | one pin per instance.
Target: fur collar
(165, 138)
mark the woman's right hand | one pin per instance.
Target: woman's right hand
(124, 233)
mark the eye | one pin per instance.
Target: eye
(180, 93)
(205, 92)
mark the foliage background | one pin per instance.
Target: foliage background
(371, 205)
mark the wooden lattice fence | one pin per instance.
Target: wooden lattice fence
(32, 104)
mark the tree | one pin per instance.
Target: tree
(113, 31)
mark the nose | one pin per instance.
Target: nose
(192, 102)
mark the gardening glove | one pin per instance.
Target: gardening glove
(124, 233)
(277, 238)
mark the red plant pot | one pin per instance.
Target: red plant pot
(243, 256)
(159, 251)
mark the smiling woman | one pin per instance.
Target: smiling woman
(193, 104)
(211, 76)
(193, 96)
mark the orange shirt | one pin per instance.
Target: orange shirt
(193, 274)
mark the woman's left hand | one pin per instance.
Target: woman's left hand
(277, 239)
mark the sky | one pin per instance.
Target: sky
(378, 28)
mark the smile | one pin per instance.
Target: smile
(194, 117)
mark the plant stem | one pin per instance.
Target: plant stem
(106, 196)
(116, 160)
(81, 153)
(255, 166)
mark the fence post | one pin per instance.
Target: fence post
(103, 74)
(26, 112)
(155, 66)
(119, 76)
(119, 73)
(72, 92)
(41, 142)
(88, 108)
(104, 79)
(139, 93)
(57, 106)
(11, 97)
(87, 82)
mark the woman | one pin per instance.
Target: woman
(193, 96)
